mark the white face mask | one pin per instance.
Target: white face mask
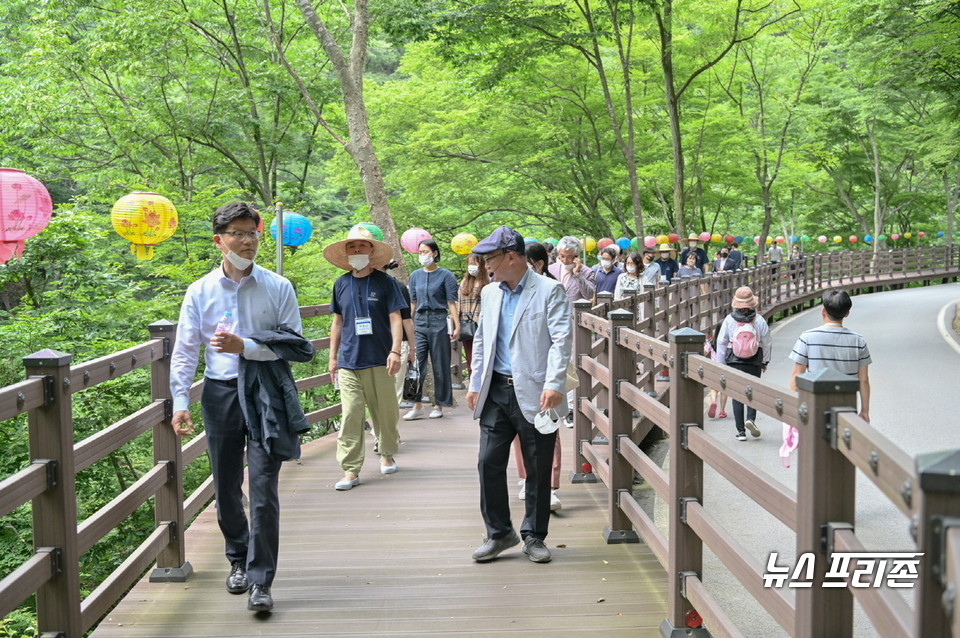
(426, 260)
(631, 268)
(606, 264)
(473, 271)
(358, 262)
(568, 266)
(241, 263)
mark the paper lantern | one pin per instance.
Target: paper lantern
(463, 243)
(882, 237)
(853, 239)
(822, 239)
(604, 242)
(635, 243)
(529, 240)
(145, 220)
(837, 239)
(727, 238)
(590, 244)
(25, 209)
(704, 236)
(297, 229)
(716, 238)
(410, 240)
(921, 234)
(894, 236)
(805, 238)
(868, 238)
(769, 239)
(940, 233)
(756, 240)
(373, 228)
(779, 239)
(623, 243)
(661, 239)
(551, 241)
(673, 237)
(649, 241)
(907, 235)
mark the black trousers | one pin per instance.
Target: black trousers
(255, 544)
(431, 338)
(738, 407)
(501, 421)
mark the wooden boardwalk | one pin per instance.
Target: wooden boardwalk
(392, 558)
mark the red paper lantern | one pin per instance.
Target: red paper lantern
(25, 209)
(604, 242)
(673, 237)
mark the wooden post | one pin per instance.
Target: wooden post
(686, 478)
(172, 565)
(582, 429)
(55, 510)
(939, 510)
(825, 496)
(622, 368)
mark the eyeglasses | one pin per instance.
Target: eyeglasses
(238, 234)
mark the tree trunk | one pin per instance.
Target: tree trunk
(665, 24)
(952, 192)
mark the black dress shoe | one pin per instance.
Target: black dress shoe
(491, 547)
(237, 582)
(260, 599)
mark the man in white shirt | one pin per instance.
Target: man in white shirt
(258, 299)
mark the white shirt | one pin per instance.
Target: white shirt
(261, 301)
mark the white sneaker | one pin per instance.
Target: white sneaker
(436, 413)
(754, 430)
(522, 494)
(554, 501)
(412, 415)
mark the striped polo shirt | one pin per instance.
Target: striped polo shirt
(834, 348)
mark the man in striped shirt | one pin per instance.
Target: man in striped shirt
(831, 346)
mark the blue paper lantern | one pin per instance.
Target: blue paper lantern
(940, 233)
(529, 240)
(297, 229)
(868, 238)
(624, 244)
(739, 239)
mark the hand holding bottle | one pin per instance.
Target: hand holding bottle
(223, 339)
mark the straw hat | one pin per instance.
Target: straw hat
(693, 237)
(665, 248)
(336, 253)
(744, 298)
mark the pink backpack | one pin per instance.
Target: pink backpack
(744, 341)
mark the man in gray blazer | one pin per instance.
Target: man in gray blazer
(522, 344)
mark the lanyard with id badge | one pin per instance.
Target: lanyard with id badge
(363, 325)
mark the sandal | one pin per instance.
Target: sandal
(722, 415)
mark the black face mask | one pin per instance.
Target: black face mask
(724, 255)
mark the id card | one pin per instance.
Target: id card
(363, 326)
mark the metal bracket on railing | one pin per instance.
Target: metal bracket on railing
(51, 467)
(682, 582)
(168, 409)
(172, 528)
(831, 420)
(49, 395)
(52, 634)
(171, 470)
(166, 347)
(827, 532)
(684, 501)
(56, 559)
(683, 433)
(683, 364)
(939, 526)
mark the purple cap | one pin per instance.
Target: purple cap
(503, 238)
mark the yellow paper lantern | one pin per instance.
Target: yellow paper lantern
(907, 235)
(463, 243)
(716, 238)
(145, 219)
(590, 244)
(662, 239)
(837, 239)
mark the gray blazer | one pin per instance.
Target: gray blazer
(541, 342)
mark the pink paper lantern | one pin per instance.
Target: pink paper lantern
(25, 209)
(822, 239)
(410, 240)
(649, 241)
(704, 237)
(756, 240)
(895, 237)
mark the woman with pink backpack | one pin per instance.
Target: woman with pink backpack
(745, 344)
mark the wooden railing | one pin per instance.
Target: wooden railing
(623, 347)
(609, 348)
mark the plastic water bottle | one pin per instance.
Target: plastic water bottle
(226, 323)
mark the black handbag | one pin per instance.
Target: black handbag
(468, 327)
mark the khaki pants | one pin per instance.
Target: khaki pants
(372, 388)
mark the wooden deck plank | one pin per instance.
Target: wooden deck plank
(392, 558)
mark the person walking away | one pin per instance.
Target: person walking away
(607, 271)
(745, 344)
(364, 350)
(521, 350)
(629, 282)
(469, 295)
(433, 292)
(716, 398)
(257, 300)
(833, 346)
(736, 256)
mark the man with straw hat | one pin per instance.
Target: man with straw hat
(693, 246)
(365, 349)
(668, 265)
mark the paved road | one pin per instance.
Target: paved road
(915, 400)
